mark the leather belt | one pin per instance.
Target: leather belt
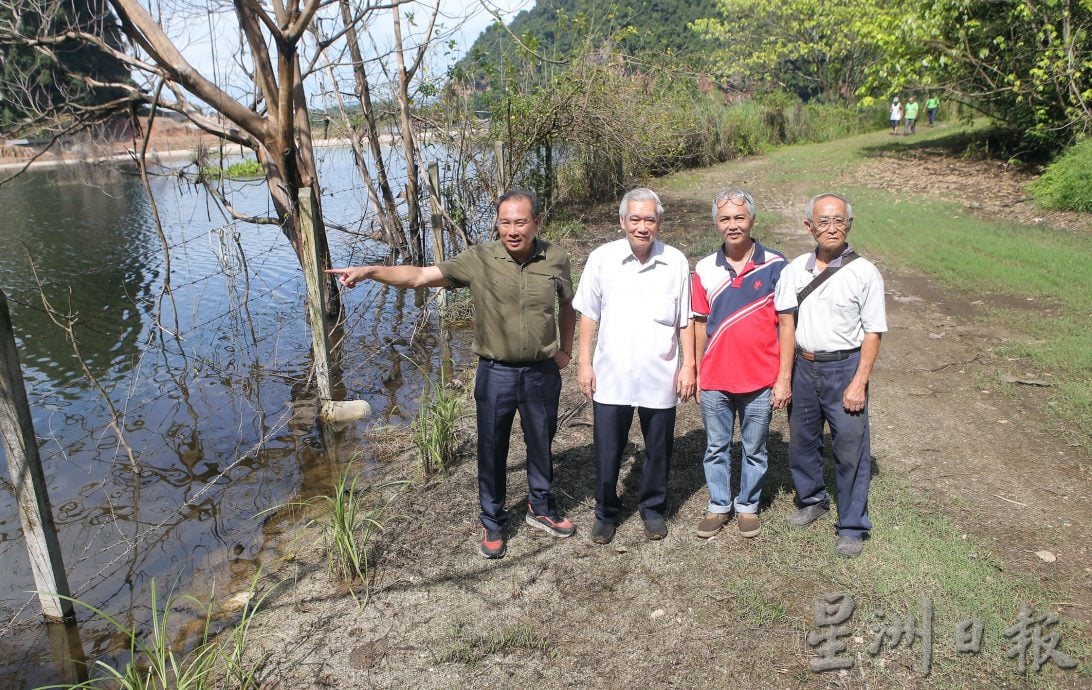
(826, 356)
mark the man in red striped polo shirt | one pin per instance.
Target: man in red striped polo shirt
(744, 370)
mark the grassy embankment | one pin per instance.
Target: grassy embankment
(1014, 256)
(919, 552)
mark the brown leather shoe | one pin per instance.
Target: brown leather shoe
(712, 523)
(749, 524)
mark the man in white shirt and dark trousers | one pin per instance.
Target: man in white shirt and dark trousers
(838, 300)
(634, 301)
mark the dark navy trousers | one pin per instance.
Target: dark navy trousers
(612, 424)
(817, 389)
(500, 391)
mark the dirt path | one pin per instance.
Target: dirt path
(686, 612)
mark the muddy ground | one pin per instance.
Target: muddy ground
(656, 614)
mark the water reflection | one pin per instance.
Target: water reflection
(221, 418)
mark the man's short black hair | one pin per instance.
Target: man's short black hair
(517, 194)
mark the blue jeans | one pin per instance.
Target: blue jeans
(817, 389)
(719, 411)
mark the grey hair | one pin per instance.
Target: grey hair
(640, 194)
(736, 196)
(809, 210)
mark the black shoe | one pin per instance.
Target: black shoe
(807, 515)
(849, 547)
(655, 527)
(602, 532)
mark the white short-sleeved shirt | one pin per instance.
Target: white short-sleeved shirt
(639, 309)
(840, 311)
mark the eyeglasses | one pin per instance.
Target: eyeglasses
(838, 223)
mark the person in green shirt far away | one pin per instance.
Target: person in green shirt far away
(911, 115)
(931, 106)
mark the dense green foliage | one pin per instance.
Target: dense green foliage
(36, 83)
(1026, 64)
(813, 48)
(564, 29)
(1067, 182)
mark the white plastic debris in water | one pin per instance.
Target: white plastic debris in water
(345, 410)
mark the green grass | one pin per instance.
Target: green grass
(1010, 260)
(155, 661)
(1067, 182)
(473, 648)
(435, 429)
(563, 229)
(1042, 267)
(350, 517)
(917, 553)
(245, 169)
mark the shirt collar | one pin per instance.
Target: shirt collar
(835, 263)
(757, 258)
(654, 255)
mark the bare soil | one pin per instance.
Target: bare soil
(656, 614)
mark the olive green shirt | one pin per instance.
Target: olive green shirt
(514, 306)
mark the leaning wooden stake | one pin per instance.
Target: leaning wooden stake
(437, 222)
(25, 470)
(331, 410)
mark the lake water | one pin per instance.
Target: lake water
(220, 419)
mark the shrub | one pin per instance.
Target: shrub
(248, 168)
(1067, 182)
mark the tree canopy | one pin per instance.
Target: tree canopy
(66, 76)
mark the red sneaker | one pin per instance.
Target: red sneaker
(493, 543)
(553, 523)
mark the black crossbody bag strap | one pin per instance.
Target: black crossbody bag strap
(823, 277)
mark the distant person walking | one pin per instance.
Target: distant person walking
(896, 115)
(911, 115)
(931, 106)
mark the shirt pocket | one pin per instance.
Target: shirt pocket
(541, 288)
(665, 309)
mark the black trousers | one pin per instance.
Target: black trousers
(612, 424)
(500, 391)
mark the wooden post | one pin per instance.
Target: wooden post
(25, 470)
(437, 223)
(498, 160)
(329, 409)
(316, 287)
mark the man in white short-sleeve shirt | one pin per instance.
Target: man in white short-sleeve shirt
(634, 294)
(839, 305)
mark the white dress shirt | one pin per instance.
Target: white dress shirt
(839, 312)
(639, 309)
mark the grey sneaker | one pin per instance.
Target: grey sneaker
(749, 524)
(602, 532)
(807, 515)
(849, 547)
(712, 523)
(655, 527)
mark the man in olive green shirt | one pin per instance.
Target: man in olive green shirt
(515, 283)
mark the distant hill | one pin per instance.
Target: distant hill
(558, 28)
